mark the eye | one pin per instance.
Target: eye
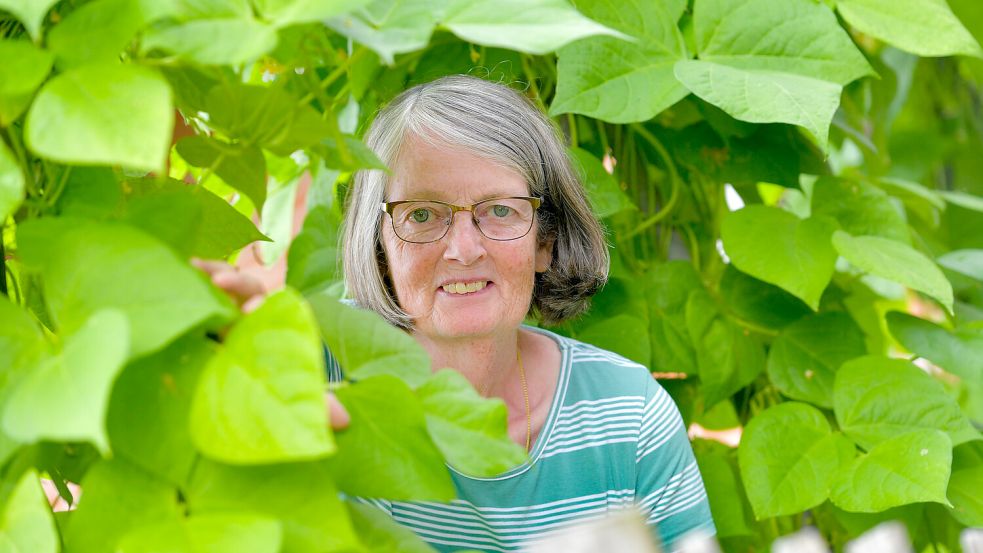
(501, 210)
(420, 215)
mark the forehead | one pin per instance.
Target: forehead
(450, 173)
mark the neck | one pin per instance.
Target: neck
(489, 363)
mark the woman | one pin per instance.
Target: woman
(481, 223)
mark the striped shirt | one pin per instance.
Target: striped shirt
(613, 438)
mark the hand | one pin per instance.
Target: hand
(247, 290)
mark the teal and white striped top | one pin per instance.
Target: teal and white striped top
(613, 438)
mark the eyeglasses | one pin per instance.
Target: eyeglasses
(423, 221)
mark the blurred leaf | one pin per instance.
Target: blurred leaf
(789, 458)
(804, 358)
(96, 32)
(622, 79)
(241, 532)
(779, 248)
(11, 183)
(103, 114)
(30, 13)
(859, 208)
(964, 484)
(531, 26)
(381, 534)
(470, 431)
(287, 12)
(22, 345)
(923, 27)
(114, 265)
(359, 156)
(967, 262)
(213, 41)
(723, 491)
(606, 197)
(908, 468)
(758, 302)
(390, 27)
(24, 68)
(962, 199)
(25, 522)
(260, 399)
(896, 262)
(312, 260)
(959, 352)
(868, 390)
(242, 167)
(388, 428)
(66, 397)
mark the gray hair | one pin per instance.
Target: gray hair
(494, 122)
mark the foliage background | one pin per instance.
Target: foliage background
(837, 317)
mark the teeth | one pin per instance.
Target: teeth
(462, 288)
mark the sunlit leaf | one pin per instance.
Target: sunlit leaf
(212, 532)
(30, 13)
(213, 41)
(959, 352)
(24, 68)
(95, 33)
(26, 523)
(923, 27)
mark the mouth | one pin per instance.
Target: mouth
(465, 288)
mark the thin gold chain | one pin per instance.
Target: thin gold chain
(525, 396)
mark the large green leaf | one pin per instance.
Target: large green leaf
(860, 208)
(803, 359)
(118, 497)
(390, 27)
(300, 495)
(95, 33)
(962, 199)
(759, 302)
(532, 26)
(241, 167)
(24, 68)
(22, 345)
(779, 248)
(231, 41)
(897, 262)
(606, 196)
(618, 80)
(959, 352)
(312, 260)
(388, 429)
(922, 27)
(789, 457)
(88, 266)
(723, 489)
(260, 399)
(967, 262)
(908, 468)
(764, 96)
(11, 183)
(869, 390)
(792, 36)
(381, 534)
(471, 432)
(103, 114)
(287, 12)
(26, 523)
(66, 397)
(965, 482)
(30, 12)
(366, 345)
(240, 532)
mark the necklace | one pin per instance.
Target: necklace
(525, 396)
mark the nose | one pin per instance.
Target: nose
(463, 242)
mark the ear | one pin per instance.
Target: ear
(544, 254)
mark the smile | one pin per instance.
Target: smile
(464, 288)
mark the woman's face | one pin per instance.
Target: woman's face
(422, 273)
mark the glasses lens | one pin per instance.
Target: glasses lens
(504, 218)
(421, 221)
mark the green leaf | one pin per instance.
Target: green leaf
(11, 183)
(789, 457)
(623, 334)
(88, 266)
(606, 196)
(241, 167)
(896, 262)
(388, 429)
(24, 68)
(962, 199)
(26, 523)
(366, 345)
(908, 468)
(288, 12)
(22, 345)
(147, 420)
(190, 218)
(667, 289)
(860, 208)
(390, 27)
(213, 41)
(470, 431)
(728, 358)
(967, 262)
(531, 26)
(300, 495)
(260, 399)
(777, 247)
(30, 12)
(764, 96)
(958, 352)
(66, 397)
(312, 260)
(95, 33)
(618, 80)
(965, 482)
(103, 114)
(118, 498)
(356, 156)
(244, 532)
(803, 360)
(380, 533)
(868, 395)
(759, 302)
(794, 36)
(723, 490)
(922, 27)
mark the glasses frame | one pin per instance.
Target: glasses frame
(388, 207)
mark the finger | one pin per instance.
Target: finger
(253, 303)
(337, 415)
(212, 266)
(241, 285)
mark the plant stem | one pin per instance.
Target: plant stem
(673, 176)
(334, 76)
(3, 269)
